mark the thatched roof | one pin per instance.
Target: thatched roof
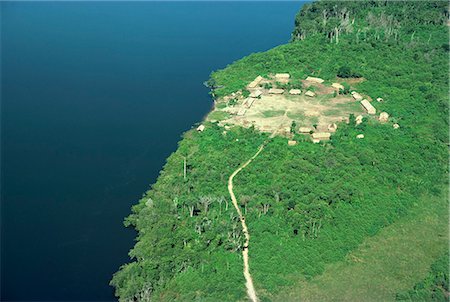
(276, 91)
(337, 86)
(249, 102)
(360, 136)
(201, 128)
(242, 111)
(282, 76)
(255, 82)
(321, 135)
(310, 93)
(292, 143)
(316, 80)
(295, 91)
(304, 129)
(368, 107)
(359, 119)
(384, 117)
(332, 127)
(357, 96)
(255, 93)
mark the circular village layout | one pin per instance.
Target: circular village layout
(272, 104)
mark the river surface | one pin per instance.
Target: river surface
(95, 96)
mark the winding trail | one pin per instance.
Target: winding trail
(248, 278)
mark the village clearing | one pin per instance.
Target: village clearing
(273, 103)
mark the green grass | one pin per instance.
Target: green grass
(333, 111)
(351, 107)
(435, 287)
(324, 98)
(394, 260)
(273, 113)
(221, 105)
(313, 120)
(297, 116)
(218, 115)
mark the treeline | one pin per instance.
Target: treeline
(187, 222)
(367, 20)
(306, 205)
(435, 287)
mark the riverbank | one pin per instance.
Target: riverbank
(308, 206)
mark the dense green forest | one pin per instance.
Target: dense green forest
(306, 205)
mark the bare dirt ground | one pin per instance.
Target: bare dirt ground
(251, 292)
(275, 112)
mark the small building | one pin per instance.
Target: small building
(249, 102)
(368, 107)
(321, 136)
(241, 111)
(304, 130)
(255, 94)
(380, 100)
(337, 86)
(310, 93)
(315, 80)
(384, 117)
(360, 136)
(201, 128)
(332, 127)
(396, 126)
(356, 96)
(295, 91)
(282, 77)
(292, 143)
(359, 119)
(276, 91)
(255, 82)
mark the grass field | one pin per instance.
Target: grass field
(393, 260)
(218, 115)
(273, 113)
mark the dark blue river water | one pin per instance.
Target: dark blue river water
(95, 96)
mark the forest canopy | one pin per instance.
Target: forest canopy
(318, 201)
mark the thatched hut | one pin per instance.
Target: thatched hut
(359, 119)
(201, 128)
(282, 77)
(292, 143)
(249, 102)
(304, 130)
(255, 94)
(356, 96)
(320, 136)
(368, 107)
(315, 80)
(295, 91)
(310, 94)
(332, 127)
(255, 82)
(384, 117)
(360, 136)
(276, 91)
(241, 111)
(337, 86)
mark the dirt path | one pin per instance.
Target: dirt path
(248, 278)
